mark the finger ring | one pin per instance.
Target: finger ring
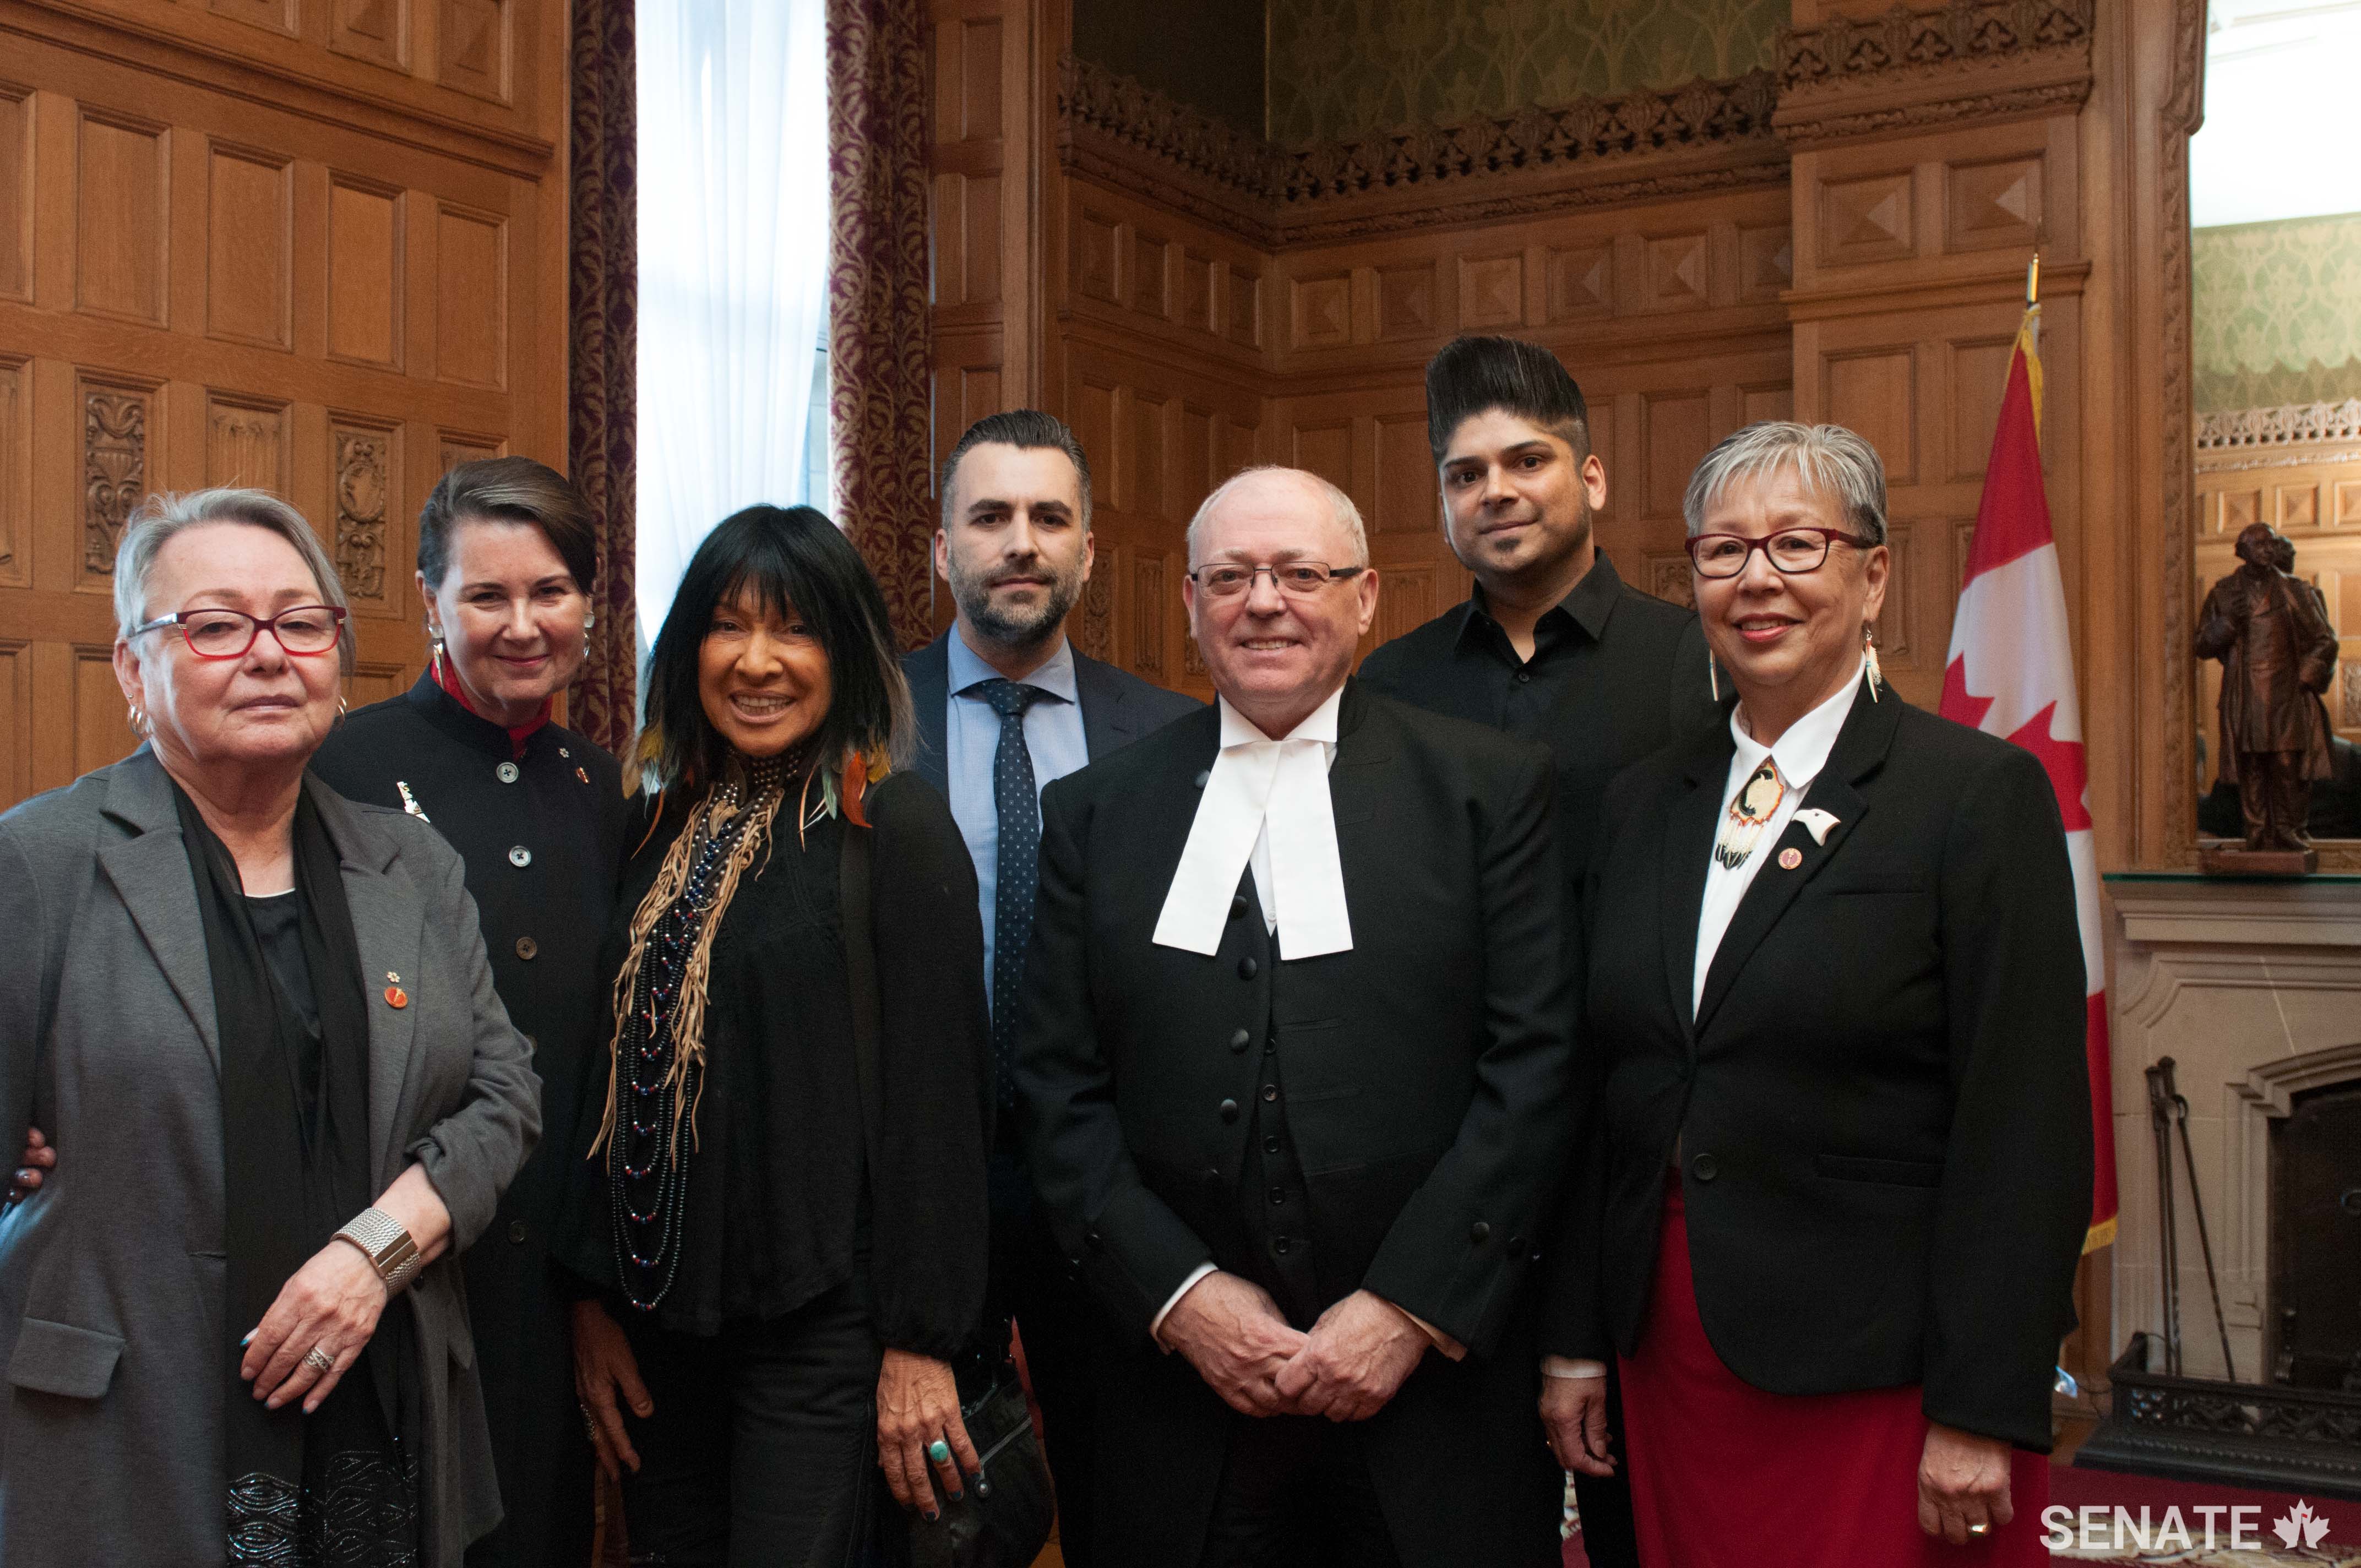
(1979, 1529)
(319, 1360)
(940, 1452)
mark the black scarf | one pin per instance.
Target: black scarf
(339, 1486)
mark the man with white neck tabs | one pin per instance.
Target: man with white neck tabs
(1016, 549)
(1294, 1057)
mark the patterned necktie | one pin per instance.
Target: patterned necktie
(1017, 802)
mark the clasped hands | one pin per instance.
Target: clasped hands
(1353, 1361)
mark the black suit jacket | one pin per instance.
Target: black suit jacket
(1426, 1074)
(1882, 1103)
(1118, 707)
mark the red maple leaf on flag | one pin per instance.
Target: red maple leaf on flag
(2063, 759)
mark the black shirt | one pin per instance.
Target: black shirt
(1615, 675)
(779, 1206)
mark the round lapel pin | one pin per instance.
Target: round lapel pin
(396, 997)
(1789, 859)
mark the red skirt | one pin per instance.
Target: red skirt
(1725, 1476)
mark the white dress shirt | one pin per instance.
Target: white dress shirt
(1800, 753)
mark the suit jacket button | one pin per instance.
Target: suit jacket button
(1704, 1167)
(1516, 1245)
(1229, 1110)
(1237, 906)
(1213, 1177)
(1279, 1245)
(1271, 1094)
(1248, 968)
(1479, 1232)
(505, 773)
(1093, 1241)
(526, 948)
(1240, 1041)
(516, 1232)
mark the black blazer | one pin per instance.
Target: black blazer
(1425, 1073)
(1118, 707)
(1882, 1105)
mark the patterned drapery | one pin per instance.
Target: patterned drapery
(879, 328)
(602, 341)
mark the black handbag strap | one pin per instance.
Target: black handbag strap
(860, 971)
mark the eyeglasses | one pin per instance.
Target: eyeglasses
(304, 631)
(1792, 551)
(1301, 578)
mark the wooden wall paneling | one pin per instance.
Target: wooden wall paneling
(250, 245)
(15, 718)
(365, 458)
(16, 472)
(366, 254)
(471, 288)
(16, 193)
(123, 212)
(474, 44)
(376, 31)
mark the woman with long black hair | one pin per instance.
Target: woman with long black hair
(767, 1298)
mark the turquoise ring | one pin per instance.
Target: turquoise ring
(940, 1452)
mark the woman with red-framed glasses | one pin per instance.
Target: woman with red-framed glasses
(259, 1021)
(1836, 1006)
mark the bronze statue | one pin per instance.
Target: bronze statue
(2271, 631)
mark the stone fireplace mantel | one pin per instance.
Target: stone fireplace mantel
(2253, 987)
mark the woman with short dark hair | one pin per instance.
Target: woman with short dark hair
(768, 1298)
(507, 563)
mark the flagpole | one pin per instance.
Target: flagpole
(2033, 282)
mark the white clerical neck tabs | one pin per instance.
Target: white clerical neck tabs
(1273, 793)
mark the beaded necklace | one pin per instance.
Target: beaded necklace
(654, 1095)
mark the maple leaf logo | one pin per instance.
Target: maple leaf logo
(2300, 1526)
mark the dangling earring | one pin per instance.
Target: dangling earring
(1868, 656)
(138, 715)
(343, 708)
(590, 619)
(1712, 676)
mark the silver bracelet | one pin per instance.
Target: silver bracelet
(387, 1246)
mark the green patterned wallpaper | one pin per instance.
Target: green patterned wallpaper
(1350, 67)
(2278, 313)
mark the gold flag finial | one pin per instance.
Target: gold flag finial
(2033, 282)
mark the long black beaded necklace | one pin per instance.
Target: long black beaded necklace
(647, 1165)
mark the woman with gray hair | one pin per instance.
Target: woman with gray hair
(258, 1022)
(1838, 1018)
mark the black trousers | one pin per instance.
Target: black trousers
(1609, 1535)
(1059, 1322)
(762, 1446)
(1296, 1493)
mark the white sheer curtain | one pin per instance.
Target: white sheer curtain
(733, 267)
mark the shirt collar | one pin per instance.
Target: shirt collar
(1587, 604)
(1320, 724)
(1804, 749)
(1056, 676)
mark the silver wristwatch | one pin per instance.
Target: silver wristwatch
(386, 1245)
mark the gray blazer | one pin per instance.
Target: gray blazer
(111, 1277)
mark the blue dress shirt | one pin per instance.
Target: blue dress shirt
(1053, 734)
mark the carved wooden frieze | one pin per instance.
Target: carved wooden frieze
(1192, 658)
(1964, 60)
(1592, 150)
(113, 468)
(364, 466)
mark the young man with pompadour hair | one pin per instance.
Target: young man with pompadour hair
(1553, 646)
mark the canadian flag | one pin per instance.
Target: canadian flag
(2011, 674)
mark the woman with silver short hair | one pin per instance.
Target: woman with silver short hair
(258, 1022)
(1840, 1012)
